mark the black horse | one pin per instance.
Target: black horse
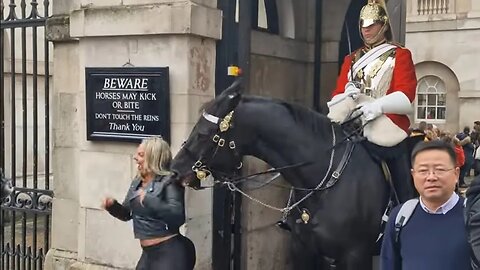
(5, 186)
(341, 219)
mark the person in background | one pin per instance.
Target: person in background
(422, 126)
(419, 131)
(450, 139)
(430, 135)
(475, 135)
(476, 162)
(468, 149)
(435, 236)
(156, 206)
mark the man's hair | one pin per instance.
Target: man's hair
(422, 125)
(466, 130)
(476, 123)
(157, 155)
(434, 145)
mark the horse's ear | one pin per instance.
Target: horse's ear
(234, 89)
(233, 93)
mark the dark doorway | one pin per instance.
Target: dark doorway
(351, 21)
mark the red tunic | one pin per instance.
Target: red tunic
(403, 79)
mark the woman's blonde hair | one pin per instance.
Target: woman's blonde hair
(157, 155)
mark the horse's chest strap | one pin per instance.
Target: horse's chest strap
(342, 165)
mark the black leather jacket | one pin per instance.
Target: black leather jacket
(162, 212)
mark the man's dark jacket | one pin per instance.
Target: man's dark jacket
(472, 216)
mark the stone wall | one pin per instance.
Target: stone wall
(149, 33)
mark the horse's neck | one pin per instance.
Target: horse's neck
(280, 146)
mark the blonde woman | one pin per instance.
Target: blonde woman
(156, 206)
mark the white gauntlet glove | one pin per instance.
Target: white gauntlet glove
(371, 110)
(352, 90)
(396, 103)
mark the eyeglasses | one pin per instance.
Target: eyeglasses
(435, 171)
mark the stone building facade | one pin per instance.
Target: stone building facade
(443, 37)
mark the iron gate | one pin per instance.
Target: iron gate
(25, 216)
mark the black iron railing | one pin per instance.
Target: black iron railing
(25, 215)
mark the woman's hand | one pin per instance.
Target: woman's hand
(107, 202)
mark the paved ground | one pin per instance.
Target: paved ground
(26, 231)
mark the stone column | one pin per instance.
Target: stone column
(100, 33)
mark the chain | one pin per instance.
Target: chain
(288, 208)
(285, 214)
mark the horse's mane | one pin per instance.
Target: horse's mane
(308, 118)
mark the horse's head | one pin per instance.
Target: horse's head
(211, 147)
(5, 186)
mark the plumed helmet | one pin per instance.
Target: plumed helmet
(376, 11)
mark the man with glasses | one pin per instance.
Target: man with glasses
(434, 236)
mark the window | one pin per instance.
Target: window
(431, 99)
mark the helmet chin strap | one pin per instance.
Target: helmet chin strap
(377, 40)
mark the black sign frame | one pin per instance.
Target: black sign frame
(139, 108)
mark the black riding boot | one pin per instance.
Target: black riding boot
(397, 158)
(401, 177)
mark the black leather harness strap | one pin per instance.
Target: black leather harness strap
(342, 165)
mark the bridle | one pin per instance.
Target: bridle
(219, 140)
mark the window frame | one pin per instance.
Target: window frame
(438, 92)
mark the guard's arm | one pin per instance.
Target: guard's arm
(404, 79)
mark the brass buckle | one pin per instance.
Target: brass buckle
(221, 142)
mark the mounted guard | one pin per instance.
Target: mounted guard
(378, 80)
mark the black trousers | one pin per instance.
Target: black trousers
(177, 253)
(398, 160)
